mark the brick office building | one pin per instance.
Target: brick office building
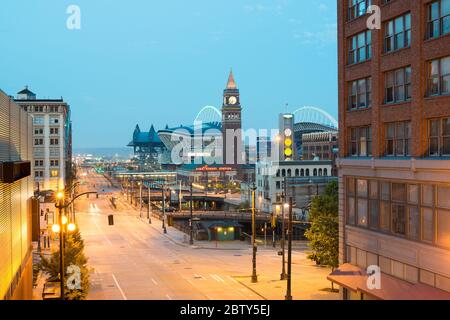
(394, 145)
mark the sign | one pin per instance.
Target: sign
(214, 169)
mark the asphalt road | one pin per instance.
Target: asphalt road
(133, 260)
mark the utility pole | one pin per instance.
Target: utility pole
(163, 189)
(149, 209)
(254, 275)
(191, 227)
(140, 199)
(289, 275)
(179, 198)
(283, 234)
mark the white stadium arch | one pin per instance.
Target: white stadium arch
(315, 115)
(209, 114)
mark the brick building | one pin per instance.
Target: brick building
(394, 145)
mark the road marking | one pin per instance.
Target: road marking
(154, 281)
(217, 278)
(199, 276)
(120, 289)
(232, 279)
(168, 297)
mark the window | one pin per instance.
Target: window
(54, 173)
(398, 85)
(439, 76)
(54, 142)
(427, 225)
(357, 8)
(439, 137)
(38, 120)
(360, 92)
(361, 141)
(397, 34)
(360, 47)
(39, 174)
(38, 163)
(39, 131)
(438, 23)
(54, 163)
(38, 142)
(54, 120)
(54, 130)
(443, 230)
(398, 138)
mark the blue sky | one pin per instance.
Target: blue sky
(160, 62)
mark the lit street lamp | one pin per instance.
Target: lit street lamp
(191, 227)
(254, 275)
(63, 227)
(289, 274)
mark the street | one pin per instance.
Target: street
(135, 260)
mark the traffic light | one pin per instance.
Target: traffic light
(288, 144)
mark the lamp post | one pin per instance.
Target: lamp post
(191, 227)
(149, 209)
(140, 199)
(163, 190)
(254, 275)
(63, 227)
(283, 236)
(289, 274)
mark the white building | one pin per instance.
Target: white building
(52, 139)
(305, 180)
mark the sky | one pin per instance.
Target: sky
(159, 62)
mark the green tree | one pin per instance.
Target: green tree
(323, 235)
(73, 255)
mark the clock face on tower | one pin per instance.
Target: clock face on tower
(232, 100)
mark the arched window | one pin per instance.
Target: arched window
(289, 173)
(325, 172)
(297, 172)
(302, 172)
(283, 173)
(278, 172)
(315, 173)
(320, 172)
(307, 172)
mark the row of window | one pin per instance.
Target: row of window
(40, 163)
(397, 85)
(302, 172)
(40, 131)
(398, 31)
(52, 109)
(40, 141)
(40, 173)
(41, 120)
(418, 212)
(397, 139)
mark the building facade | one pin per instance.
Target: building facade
(52, 140)
(305, 179)
(16, 190)
(320, 145)
(394, 119)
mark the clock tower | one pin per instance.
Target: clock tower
(231, 124)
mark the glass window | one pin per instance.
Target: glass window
(374, 214)
(443, 197)
(351, 210)
(362, 188)
(398, 219)
(385, 191)
(427, 225)
(427, 195)
(413, 193)
(385, 213)
(414, 223)
(362, 212)
(443, 228)
(399, 192)
(374, 189)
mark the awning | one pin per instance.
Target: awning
(355, 279)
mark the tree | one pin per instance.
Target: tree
(324, 231)
(73, 255)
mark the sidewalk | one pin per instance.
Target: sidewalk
(309, 283)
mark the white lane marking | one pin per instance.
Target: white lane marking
(154, 281)
(120, 289)
(217, 278)
(232, 279)
(168, 297)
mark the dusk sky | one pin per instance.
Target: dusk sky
(159, 62)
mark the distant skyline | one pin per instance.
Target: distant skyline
(159, 62)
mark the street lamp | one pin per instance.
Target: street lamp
(62, 228)
(191, 227)
(289, 274)
(163, 190)
(254, 275)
